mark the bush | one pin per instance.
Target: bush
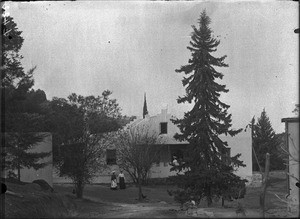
(235, 192)
(180, 196)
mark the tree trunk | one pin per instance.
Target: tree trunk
(19, 172)
(140, 187)
(145, 178)
(79, 189)
(209, 199)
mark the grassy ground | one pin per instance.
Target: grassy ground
(30, 201)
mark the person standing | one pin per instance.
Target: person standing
(122, 180)
(113, 185)
(175, 162)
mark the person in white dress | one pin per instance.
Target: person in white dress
(113, 184)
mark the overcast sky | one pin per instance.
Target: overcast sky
(134, 47)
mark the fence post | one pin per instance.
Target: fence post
(265, 184)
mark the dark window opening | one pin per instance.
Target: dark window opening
(158, 160)
(163, 128)
(111, 157)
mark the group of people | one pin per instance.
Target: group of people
(114, 182)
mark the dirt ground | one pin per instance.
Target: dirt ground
(101, 202)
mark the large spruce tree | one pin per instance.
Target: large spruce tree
(266, 141)
(204, 171)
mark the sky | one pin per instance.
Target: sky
(134, 47)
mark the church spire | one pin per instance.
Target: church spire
(145, 111)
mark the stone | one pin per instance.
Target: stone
(43, 184)
(200, 211)
(209, 214)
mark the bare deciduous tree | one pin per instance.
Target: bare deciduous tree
(137, 150)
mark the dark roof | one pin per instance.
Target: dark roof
(293, 119)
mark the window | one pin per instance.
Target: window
(111, 157)
(163, 128)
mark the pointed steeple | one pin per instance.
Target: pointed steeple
(145, 111)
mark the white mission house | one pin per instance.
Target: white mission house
(162, 125)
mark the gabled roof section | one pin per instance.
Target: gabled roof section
(154, 125)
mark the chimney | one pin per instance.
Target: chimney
(164, 114)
